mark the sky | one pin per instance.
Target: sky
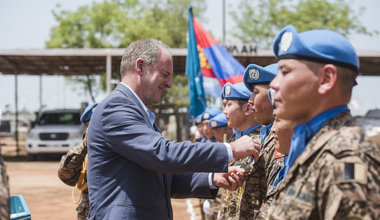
(26, 24)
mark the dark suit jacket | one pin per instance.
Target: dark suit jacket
(133, 171)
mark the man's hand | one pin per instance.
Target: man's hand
(231, 180)
(245, 146)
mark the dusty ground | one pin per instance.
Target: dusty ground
(47, 197)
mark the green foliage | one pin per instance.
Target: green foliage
(117, 23)
(267, 18)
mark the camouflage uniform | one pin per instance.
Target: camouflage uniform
(237, 201)
(217, 203)
(336, 177)
(260, 179)
(4, 191)
(268, 200)
(69, 171)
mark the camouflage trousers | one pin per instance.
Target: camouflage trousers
(83, 206)
(4, 191)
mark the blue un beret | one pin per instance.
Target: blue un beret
(198, 119)
(86, 116)
(210, 113)
(322, 46)
(255, 74)
(236, 91)
(218, 121)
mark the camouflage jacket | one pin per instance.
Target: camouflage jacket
(71, 164)
(69, 171)
(232, 199)
(260, 179)
(336, 177)
(4, 191)
(268, 200)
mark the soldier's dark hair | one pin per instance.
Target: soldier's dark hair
(147, 49)
(346, 76)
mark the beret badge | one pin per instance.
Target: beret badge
(286, 41)
(254, 74)
(206, 116)
(227, 90)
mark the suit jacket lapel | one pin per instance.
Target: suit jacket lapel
(129, 95)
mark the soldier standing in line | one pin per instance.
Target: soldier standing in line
(283, 131)
(240, 117)
(198, 123)
(219, 127)
(4, 188)
(332, 170)
(71, 166)
(262, 172)
(222, 133)
(206, 116)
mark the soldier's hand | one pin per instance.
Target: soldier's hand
(245, 146)
(231, 180)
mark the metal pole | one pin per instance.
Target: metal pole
(108, 74)
(224, 22)
(16, 114)
(40, 93)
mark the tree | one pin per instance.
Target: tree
(117, 23)
(267, 18)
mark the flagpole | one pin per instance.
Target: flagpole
(224, 22)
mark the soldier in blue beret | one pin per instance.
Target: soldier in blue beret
(71, 170)
(222, 133)
(220, 129)
(332, 170)
(198, 124)
(240, 117)
(260, 179)
(205, 118)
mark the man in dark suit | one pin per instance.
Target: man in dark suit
(132, 170)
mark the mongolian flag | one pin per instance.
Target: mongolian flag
(217, 65)
(193, 71)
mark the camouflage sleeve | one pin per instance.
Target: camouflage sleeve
(353, 192)
(71, 164)
(254, 191)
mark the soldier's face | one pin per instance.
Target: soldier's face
(200, 129)
(224, 101)
(261, 106)
(220, 132)
(206, 129)
(234, 114)
(283, 131)
(297, 91)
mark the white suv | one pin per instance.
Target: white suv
(55, 131)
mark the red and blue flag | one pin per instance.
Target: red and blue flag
(217, 65)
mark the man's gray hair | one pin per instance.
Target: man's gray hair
(148, 49)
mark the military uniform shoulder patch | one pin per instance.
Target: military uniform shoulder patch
(345, 172)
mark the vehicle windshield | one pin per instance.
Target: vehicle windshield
(68, 118)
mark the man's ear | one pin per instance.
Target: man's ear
(140, 66)
(329, 77)
(248, 109)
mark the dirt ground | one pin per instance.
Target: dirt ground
(48, 198)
